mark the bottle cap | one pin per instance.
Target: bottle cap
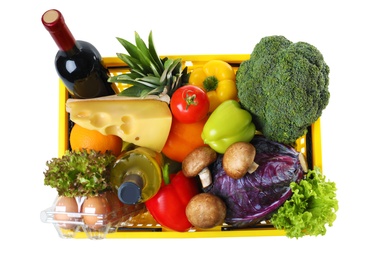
(54, 22)
(130, 190)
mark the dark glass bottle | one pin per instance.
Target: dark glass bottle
(78, 63)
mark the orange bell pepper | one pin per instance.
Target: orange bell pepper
(183, 138)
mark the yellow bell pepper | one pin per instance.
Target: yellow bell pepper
(218, 79)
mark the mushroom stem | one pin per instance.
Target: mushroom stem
(205, 177)
(253, 167)
(303, 162)
(197, 162)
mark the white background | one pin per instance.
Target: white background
(353, 36)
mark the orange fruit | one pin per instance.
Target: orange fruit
(83, 138)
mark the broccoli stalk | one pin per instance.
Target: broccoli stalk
(284, 86)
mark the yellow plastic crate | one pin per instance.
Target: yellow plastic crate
(309, 145)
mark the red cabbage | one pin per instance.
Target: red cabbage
(256, 196)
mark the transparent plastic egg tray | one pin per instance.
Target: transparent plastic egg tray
(73, 224)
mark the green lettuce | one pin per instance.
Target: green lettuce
(312, 206)
(79, 173)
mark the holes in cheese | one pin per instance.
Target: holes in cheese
(143, 122)
(100, 119)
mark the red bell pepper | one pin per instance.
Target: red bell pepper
(168, 206)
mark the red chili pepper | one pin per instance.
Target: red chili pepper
(168, 206)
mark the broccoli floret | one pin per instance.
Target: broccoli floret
(284, 85)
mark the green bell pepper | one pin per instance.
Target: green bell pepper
(228, 124)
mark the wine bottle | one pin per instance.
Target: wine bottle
(78, 63)
(137, 175)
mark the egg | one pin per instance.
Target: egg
(68, 205)
(95, 211)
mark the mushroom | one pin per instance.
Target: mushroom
(239, 159)
(303, 162)
(206, 210)
(197, 162)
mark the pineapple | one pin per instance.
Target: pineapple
(149, 74)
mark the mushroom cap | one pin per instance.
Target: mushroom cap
(238, 159)
(206, 210)
(197, 160)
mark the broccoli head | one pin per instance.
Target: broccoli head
(284, 85)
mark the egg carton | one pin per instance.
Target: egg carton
(73, 224)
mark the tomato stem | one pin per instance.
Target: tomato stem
(191, 100)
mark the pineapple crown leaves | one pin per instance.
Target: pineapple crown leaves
(79, 173)
(149, 74)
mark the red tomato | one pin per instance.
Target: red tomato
(189, 104)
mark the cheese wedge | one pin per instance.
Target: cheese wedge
(144, 122)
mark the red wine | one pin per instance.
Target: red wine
(78, 63)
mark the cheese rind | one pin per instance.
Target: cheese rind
(143, 122)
